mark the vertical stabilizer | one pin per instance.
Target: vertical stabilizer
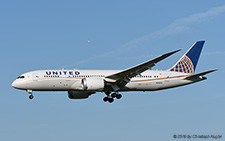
(189, 60)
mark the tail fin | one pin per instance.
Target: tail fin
(189, 60)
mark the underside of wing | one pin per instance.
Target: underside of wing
(120, 79)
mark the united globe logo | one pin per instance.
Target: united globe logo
(184, 65)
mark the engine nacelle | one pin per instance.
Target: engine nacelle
(79, 94)
(93, 84)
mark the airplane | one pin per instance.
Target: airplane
(80, 84)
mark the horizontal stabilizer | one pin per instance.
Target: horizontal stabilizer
(199, 74)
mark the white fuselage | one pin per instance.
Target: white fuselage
(71, 80)
(80, 84)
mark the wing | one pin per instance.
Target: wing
(120, 79)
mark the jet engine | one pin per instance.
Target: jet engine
(79, 94)
(93, 84)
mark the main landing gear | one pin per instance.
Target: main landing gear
(110, 97)
(30, 92)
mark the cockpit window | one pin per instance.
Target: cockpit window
(21, 77)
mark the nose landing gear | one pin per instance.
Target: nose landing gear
(110, 97)
(30, 92)
(31, 96)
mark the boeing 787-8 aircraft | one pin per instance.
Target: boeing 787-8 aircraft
(80, 84)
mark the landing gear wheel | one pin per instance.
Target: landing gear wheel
(110, 100)
(105, 99)
(31, 97)
(110, 97)
(118, 96)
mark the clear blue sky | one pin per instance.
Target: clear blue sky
(54, 34)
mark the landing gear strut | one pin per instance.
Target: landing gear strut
(30, 92)
(110, 97)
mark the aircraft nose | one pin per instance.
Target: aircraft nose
(14, 84)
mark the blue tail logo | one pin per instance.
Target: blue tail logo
(188, 62)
